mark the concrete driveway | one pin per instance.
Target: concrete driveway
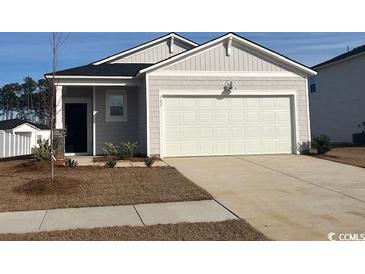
(287, 197)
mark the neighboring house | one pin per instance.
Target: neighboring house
(337, 97)
(229, 96)
(35, 131)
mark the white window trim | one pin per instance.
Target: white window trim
(108, 117)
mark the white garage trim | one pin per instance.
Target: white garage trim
(225, 73)
(291, 94)
(308, 114)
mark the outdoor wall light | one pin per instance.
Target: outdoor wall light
(228, 86)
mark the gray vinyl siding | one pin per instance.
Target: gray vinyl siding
(116, 132)
(338, 105)
(152, 54)
(199, 83)
(134, 129)
(216, 59)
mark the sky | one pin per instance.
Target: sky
(28, 54)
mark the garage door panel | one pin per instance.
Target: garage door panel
(173, 134)
(252, 116)
(189, 117)
(237, 116)
(282, 117)
(196, 126)
(206, 133)
(268, 147)
(205, 148)
(267, 132)
(253, 147)
(282, 102)
(221, 133)
(251, 102)
(221, 148)
(221, 117)
(253, 132)
(205, 117)
(189, 133)
(171, 117)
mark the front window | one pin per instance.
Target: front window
(116, 106)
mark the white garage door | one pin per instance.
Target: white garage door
(202, 126)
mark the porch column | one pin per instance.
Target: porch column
(94, 120)
(59, 115)
(59, 132)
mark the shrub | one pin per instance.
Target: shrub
(110, 163)
(148, 161)
(129, 149)
(71, 163)
(110, 149)
(321, 143)
(43, 151)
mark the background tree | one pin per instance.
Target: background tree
(41, 102)
(29, 86)
(57, 40)
(9, 99)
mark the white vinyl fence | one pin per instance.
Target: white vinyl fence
(13, 145)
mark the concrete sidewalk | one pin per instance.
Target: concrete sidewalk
(133, 215)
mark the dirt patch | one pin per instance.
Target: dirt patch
(48, 187)
(30, 189)
(235, 230)
(347, 155)
(32, 166)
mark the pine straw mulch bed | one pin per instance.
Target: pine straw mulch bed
(347, 155)
(234, 230)
(25, 185)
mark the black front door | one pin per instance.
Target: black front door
(76, 126)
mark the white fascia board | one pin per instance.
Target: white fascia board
(233, 93)
(146, 45)
(223, 73)
(87, 77)
(197, 50)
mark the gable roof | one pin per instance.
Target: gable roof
(122, 70)
(146, 45)
(341, 57)
(236, 37)
(13, 123)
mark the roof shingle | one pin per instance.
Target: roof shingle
(125, 69)
(355, 51)
(10, 124)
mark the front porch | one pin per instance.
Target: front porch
(100, 113)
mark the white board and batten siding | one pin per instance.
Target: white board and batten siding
(276, 91)
(14, 145)
(216, 59)
(153, 54)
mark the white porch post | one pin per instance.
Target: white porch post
(59, 106)
(94, 120)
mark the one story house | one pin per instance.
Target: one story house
(337, 96)
(228, 96)
(37, 132)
